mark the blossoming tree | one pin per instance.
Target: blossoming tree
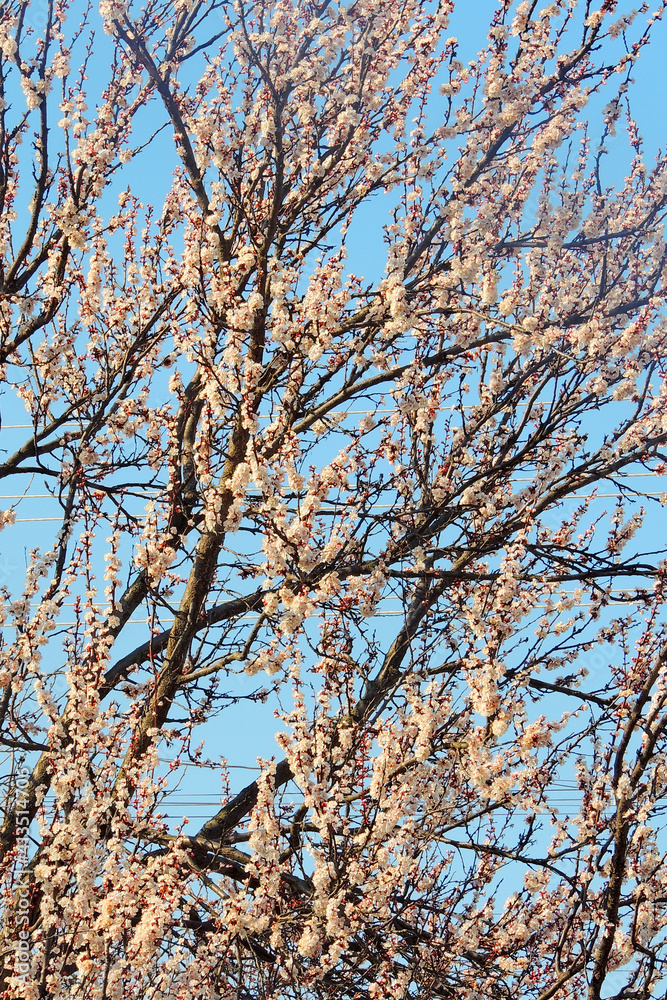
(405, 503)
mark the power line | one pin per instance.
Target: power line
(376, 614)
(369, 411)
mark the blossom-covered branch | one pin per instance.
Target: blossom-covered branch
(333, 350)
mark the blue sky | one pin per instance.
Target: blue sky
(249, 733)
